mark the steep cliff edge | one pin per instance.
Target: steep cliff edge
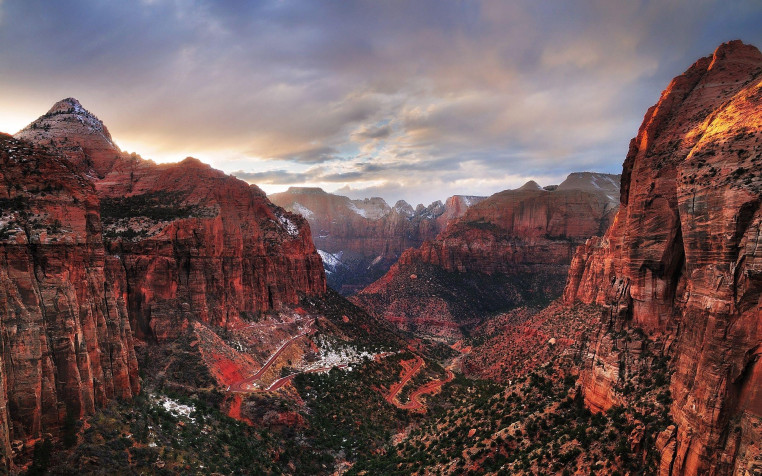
(66, 339)
(360, 239)
(682, 261)
(511, 249)
(200, 245)
(194, 243)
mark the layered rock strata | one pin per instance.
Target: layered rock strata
(360, 239)
(195, 243)
(682, 260)
(67, 344)
(511, 249)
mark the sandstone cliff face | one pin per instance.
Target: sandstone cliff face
(682, 260)
(361, 239)
(511, 249)
(66, 338)
(194, 243)
(199, 245)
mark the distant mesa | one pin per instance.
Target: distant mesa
(306, 190)
(368, 234)
(511, 249)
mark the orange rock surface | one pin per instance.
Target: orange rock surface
(683, 259)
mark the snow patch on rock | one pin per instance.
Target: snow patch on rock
(336, 354)
(302, 210)
(174, 407)
(288, 225)
(330, 260)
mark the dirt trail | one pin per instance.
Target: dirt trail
(284, 380)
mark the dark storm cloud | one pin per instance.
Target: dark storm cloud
(420, 99)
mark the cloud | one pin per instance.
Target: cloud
(373, 132)
(272, 177)
(315, 155)
(407, 98)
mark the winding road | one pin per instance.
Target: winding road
(430, 388)
(244, 386)
(409, 372)
(414, 402)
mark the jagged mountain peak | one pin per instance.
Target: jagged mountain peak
(77, 133)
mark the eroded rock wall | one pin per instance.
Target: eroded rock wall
(682, 259)
(67, 345)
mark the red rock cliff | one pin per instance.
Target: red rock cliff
(361, 239)
(200, 245)
(66, 342)
(682, 259)
(194, 243)
(511, 249)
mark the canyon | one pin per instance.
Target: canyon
(359, 240)
(512, 249)
(170, 317)
(104, 251)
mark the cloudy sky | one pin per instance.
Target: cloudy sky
(400, 99)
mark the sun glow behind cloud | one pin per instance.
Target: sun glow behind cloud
(415, 100)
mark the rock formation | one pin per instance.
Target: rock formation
(511, 249)
(194, 242)
(98, 247)
(66, 338)
(82, 137)
(682, 261)
(360, 239)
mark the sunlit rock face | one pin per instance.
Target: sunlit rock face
(511, 249)
(360, 239)
(682, 259)
(67, 343)
(194, 243)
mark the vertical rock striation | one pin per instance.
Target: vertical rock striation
(194, 243)
(200, 245)
(683, 260)
(66, 343)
